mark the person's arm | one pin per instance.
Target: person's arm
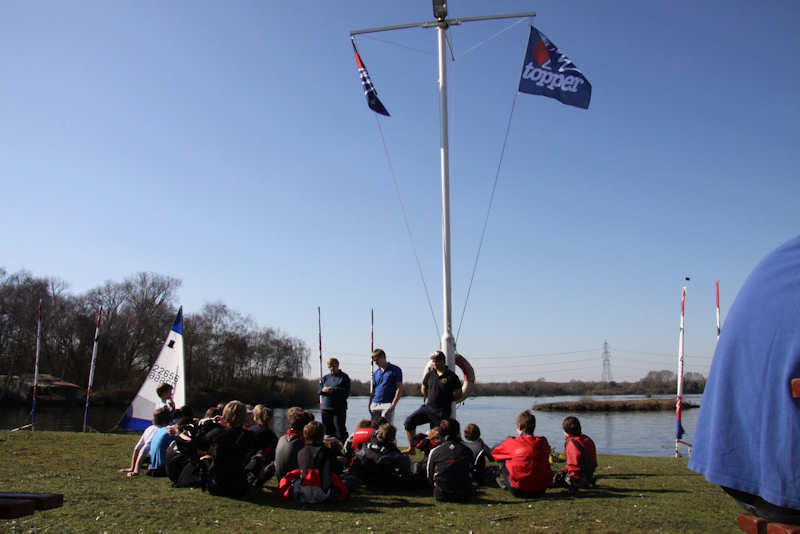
(456, 391)
(397, 394)
(346, 386)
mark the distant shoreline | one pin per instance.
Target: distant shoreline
(630, 405)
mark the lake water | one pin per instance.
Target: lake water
(631, 433)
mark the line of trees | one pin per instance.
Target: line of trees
(654, 383)
(224, 350)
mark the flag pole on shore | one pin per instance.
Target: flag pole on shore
(717, 285)
(36, 364)
(91, 366)
(679, 431)
(371, 349)
(319, 332)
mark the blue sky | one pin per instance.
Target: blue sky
(229, 145)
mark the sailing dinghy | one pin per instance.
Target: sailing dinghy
(168, 368)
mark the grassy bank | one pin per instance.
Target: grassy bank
(634, 494)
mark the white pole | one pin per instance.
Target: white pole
(448, 344)
(717, 310)
(680, 377)
(36, 364)
(91, 366)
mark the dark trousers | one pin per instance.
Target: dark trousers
(424, 414)
(334, 422)
(506, 484)
(758, 506)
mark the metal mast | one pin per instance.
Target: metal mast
(606, 377)
(442, 23)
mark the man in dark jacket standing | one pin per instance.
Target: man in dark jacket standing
(334, 388)
(441, 388)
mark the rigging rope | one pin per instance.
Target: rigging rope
(488, 211)
(405, 220)
(480, 44)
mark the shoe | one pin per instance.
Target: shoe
(501, 483)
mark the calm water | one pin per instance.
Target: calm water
(632, 433)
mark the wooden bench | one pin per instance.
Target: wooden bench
(758, 525)
(13, 505)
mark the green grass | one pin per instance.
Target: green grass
(634, 494)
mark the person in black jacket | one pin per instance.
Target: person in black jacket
(450, 465)
(228, 453)
(379, 463)
(441, 388)
(333, 390)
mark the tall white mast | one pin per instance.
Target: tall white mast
(442, 23)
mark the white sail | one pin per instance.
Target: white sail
(168, 368)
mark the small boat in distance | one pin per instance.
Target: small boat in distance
(168, 368)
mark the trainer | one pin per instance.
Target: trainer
(387, 386)
(440, 387)
(334, 388)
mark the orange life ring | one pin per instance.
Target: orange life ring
(466, 368)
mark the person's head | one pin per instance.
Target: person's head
(164, 391)
(472, 432)
(571, 426)
(212, 412)
(333, 365)
(379, 358)
(439, 360)
(234, 414)
(386, 433)
(450, 429)
(184, 412)
(262, 415)
(364, 423)
(435, 434)
(296, 417)
(313, 433)
(378, 420)
(526, 422)
(162, 416)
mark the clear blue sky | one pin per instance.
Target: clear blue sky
(229, 144)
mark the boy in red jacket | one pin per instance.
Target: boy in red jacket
(581, 458)
(525, 460)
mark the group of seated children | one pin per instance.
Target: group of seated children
(233, 448)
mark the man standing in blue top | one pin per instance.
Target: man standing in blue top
(333, 390)
(387, 386)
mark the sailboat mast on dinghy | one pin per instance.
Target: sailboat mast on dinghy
(546, 71)
(168, 368)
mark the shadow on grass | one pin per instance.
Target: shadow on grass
(359, 502)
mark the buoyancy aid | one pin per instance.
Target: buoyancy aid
(527, 461)
(307, 485)
(581, 456)
(362, 436)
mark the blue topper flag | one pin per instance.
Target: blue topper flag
(547, 71)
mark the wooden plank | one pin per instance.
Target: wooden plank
(12, 508)
(43, 501)
(752, 524)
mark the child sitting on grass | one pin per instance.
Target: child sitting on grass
(581, 458)
(141, 452)
(525, 460)
(481, 453)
